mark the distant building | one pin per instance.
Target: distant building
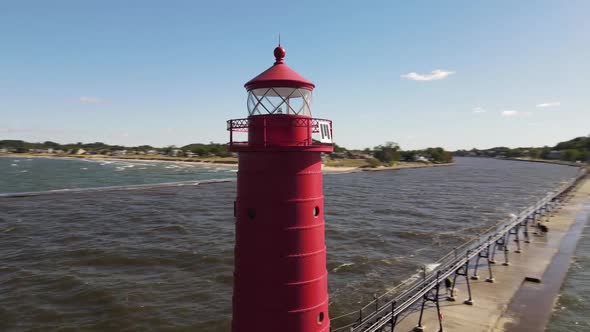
(420, 158)
(554, 154)
(353, 155)
(3, 150)
(338, 155)
(81, 151)
(176, 153)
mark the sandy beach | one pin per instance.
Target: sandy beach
(228, 161)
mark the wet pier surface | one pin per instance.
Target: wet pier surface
(511, 303)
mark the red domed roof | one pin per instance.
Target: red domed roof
(279, 75)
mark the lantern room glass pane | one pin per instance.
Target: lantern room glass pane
(279, 100)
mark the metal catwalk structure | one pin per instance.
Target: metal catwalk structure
(383, 312)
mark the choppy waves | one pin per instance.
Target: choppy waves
(160, 256)
(112, 188)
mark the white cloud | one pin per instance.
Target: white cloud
(509, 113)
(89, 100)
(479, 110)
(549, 104)
(435, 75)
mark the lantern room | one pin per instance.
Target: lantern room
(279, 90)
(279, 111)
(290, 101)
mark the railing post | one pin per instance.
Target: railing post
(393, 315)
(425, 298)
(376, 299)
(476, 261)
(469, 301)
(517, 238)
(491, 275)
(526, 229)
(507, 237)
(438, 313)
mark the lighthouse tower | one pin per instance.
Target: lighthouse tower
(280, 276)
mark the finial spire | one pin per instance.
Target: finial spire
(279, 53)
(279, 39)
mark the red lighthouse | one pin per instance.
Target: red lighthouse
(280, 276)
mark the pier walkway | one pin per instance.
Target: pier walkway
(498, 277)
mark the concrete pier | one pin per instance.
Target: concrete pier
(511, 303)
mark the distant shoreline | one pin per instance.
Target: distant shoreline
(548, 161)
(533, 160)
(214, 160)
(228, 161)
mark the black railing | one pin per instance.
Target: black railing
(314, 125)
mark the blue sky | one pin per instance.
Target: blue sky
(456, 74)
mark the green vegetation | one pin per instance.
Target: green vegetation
(373, 163)
(211, 149)
(99, 148)
(574, 150)
(387, 154)
(345, 162)
(391, 152)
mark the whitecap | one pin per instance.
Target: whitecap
(431, 267)
(341, 266)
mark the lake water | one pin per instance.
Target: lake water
(160, 257)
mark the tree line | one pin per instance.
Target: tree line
(389, 153)
(577, 149)
(385, 154)
(19, 146)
